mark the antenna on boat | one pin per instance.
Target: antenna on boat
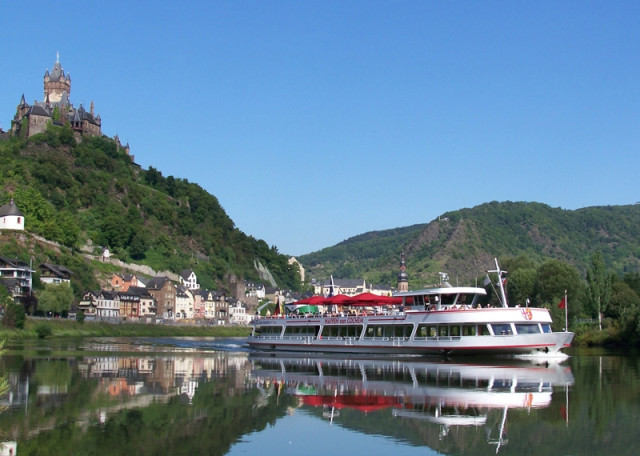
(502, 279)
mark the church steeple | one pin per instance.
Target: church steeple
(403, 278)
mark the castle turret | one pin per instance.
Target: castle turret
(403, 278)
(56, 83)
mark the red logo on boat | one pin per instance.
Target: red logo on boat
(527, 314)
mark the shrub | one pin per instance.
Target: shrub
(43, 330)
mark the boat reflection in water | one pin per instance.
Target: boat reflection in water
(442, 392)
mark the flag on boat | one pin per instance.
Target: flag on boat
(563, 303)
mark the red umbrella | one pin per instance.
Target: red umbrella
(369, 299)
(313, 300)
(338, 299)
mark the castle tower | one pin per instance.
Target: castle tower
(403, 278)
(56, 84)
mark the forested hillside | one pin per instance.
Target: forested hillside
(464, 243)
(91, 193)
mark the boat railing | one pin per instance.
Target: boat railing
(296, 337)
(443, 338)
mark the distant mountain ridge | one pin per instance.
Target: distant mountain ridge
(463, 243)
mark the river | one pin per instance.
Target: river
(197, 396)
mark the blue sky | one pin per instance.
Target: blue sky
(315, 121)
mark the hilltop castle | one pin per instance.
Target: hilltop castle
(56, 107)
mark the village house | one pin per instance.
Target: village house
(253, 289)
(164, 292)
(16, 276)
(184, 303)
(108, 304)
(54, 274)
(213, 306)
(122, 282)
(238, 314)
(88, 303)
(349, 287)
(199, 299)
(136, 302)
(189, 279)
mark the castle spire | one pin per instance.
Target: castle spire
(403, 278)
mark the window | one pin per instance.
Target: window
(469, 330)
(527, 328)
(546, 328)
(502, 329)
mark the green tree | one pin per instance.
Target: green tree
(624, 302)
(553, 278)
(521, 285)
(598, 287)
(14, 315)
(56, 298)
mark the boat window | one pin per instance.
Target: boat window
(465, 299)
(501, 329)
(469, 330)
(389, 331)
(546, 328)
(427, 331)
(342, 331)
(454, 331)
(443, 331)
(301, 330)
(268, 330)
(417, 301)
(529, 328)
(447, 299)
(484, 330)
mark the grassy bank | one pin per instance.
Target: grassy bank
(70, 328)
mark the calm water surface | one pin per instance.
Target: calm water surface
(190, 396)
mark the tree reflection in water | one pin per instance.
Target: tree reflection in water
(179, 400)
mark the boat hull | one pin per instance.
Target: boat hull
(510, 343)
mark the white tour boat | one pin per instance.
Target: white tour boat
(440, 320)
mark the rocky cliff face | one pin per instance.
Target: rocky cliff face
(265, 274)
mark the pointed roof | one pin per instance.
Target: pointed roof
(10, 209)
(58, 270)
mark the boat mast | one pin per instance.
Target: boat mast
(501, 274)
